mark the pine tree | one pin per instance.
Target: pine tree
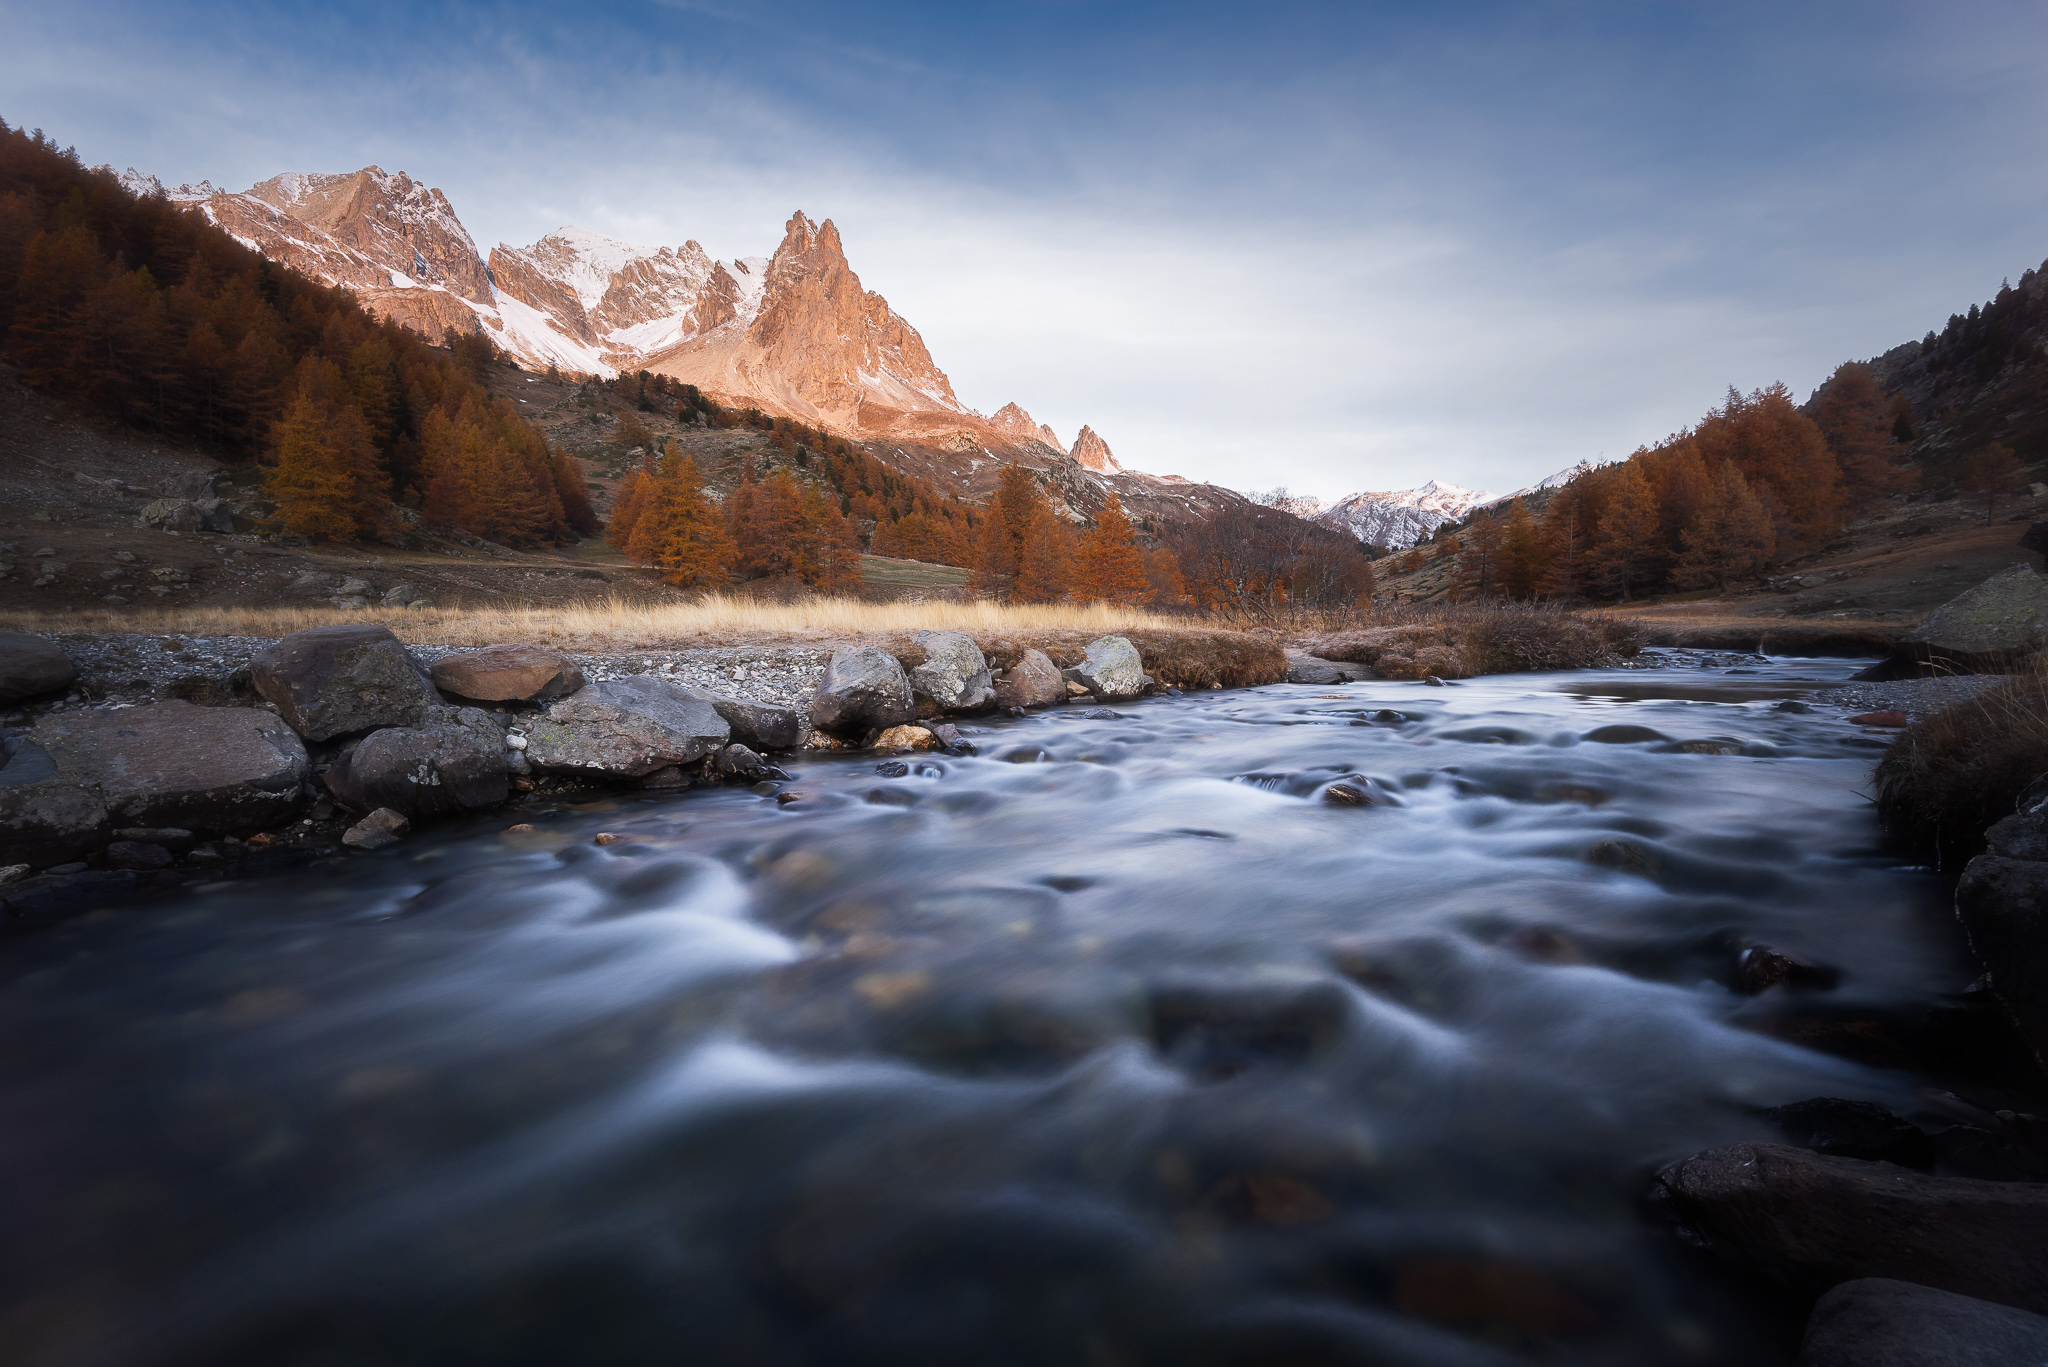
(1112, 566)
(1626, 542)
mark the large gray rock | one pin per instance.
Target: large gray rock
(30, 665)
(2003, 905)
(1111, 669)
(508, 673)
(1810, 1220)
(1034, 681)
(337, 681)
(189, 515)
(625, 728)
(45, 819)
(761, 725)
(864, 689)
(1880, 1322)
(1987, 627)
(208, 770)
(452, 762)
(954, 676)
(191, 485)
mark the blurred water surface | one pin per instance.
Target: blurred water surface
(1124, 1042)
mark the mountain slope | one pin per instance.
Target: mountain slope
(1402, 517)
(793, 335)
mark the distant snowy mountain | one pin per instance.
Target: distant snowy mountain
(1558, 480)
(1405, 516)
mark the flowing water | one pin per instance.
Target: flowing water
(1118, 1044)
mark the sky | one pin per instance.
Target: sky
(1335, 247)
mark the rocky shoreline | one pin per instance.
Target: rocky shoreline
(137, 765)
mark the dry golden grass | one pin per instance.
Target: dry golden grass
(606, 624)
(1948, 778)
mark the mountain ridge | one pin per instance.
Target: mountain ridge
(793, 334)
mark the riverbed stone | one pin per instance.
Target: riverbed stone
(762, 725)
(379, 830)
(2003, 905)
(1884, 1322)
(625, 728)
(954, 676)
(864, 689)
(452, 762)
(906, 738)
(508, 673)
(1034, 681)
(1807, 1220)
(136, 854)
(1111, 669)
(1853, 1129)
(45, 819)
(192, 484)
(341, 680)
(30, 666)
(208, 770)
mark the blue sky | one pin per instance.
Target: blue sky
(1338, 247)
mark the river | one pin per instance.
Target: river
(1117, 1044)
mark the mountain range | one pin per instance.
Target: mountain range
(792, 334)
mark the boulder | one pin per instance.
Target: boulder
(452, 762)
(762, 725)
(1034, 681)
(1881, 1322)
(30, 665)
(337, 681)
(625, 728)
(377, 830)
(1306, 669)
(136, 854)
(1111, 669)
(864, 689)
(401, 595)
(1981, 630)
(1808, 1220)
(1854, 1129)
(191, 485)
(44, 819)
(170, 765)
(508, 673)
(954, 676)
(2003, 905)
(906, 738)
(189, 515)
(312, 585)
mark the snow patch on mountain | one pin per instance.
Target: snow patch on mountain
(1402, 517)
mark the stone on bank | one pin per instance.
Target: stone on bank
(337, 681)
(625, 728)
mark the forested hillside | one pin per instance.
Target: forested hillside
(139, 311)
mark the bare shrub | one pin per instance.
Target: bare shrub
(1461, 640)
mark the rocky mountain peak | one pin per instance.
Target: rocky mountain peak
(1012, 421)
(390, 218)
(1092, 452)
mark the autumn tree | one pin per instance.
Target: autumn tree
(678, 531)
(1730, 538)
(1524, 554)
(1480, 563)
(1857, 422)
(1993, 471)
(1626, 542)
(1112, 568)
(1042, 567)
(310, 484)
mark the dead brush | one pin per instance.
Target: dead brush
(1946, 779)
(1462, 640)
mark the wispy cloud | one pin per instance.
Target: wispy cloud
(1339, 246)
